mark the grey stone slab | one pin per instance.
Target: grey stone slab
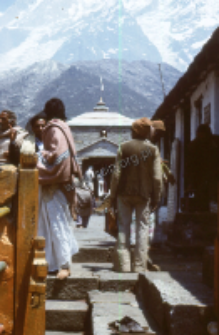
(94, 269)
(115, 282)
(66, 315)
(111, 297)
(94, 232)
(171, 262)
(180, 303)
(105, 313)
(93, 255)
(72, 288)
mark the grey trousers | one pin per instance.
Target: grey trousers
(122, 253)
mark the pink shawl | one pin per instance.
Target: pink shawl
(57, 162)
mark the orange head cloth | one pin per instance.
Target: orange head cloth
(141, 127)
(158, 124)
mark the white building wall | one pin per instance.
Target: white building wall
(177, 166)
(179, 134)
(172, 203)
(206, 89)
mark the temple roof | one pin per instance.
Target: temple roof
(101, 117)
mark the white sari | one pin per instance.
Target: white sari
(56, 225)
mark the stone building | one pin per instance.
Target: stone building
(97, 137)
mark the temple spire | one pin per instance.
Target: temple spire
(101, 106)
(101, 86)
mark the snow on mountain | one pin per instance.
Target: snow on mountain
(136, 91)
(177, 28)
(67, 31)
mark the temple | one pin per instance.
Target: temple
(97, 137)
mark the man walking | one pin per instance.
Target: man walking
(136, 185)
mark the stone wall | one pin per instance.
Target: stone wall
(85, 136)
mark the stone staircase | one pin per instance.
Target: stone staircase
(172, 301)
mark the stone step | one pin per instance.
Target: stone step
(109, 307)
(73, 288)
(179, 302)
(64, 333)
(86, 277)
(66, 315)
(97, 255)
(117, 282)
(93, 254)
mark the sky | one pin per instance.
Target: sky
(36, 30)
(4, 4)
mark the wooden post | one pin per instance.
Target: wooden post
(8, 181)
(26, 232)
(7, 274)
(35, 309)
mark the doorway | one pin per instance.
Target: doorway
(102, 166)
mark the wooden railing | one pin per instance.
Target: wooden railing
(23, 268)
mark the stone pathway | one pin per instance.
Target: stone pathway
(94, 295)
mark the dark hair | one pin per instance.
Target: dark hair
(12, 118)
(55, 108)
(36, 117)
(204, 129)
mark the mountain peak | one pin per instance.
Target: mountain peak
(69, 31)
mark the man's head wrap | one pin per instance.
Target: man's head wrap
(141, 127)
(158, 124)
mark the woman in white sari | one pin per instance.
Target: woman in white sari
(57, 165)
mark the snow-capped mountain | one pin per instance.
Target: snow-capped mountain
(68, 31)
(136, 91)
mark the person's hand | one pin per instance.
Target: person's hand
(13, 133)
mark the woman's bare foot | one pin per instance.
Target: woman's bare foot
(2, 329)
(63, 273)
